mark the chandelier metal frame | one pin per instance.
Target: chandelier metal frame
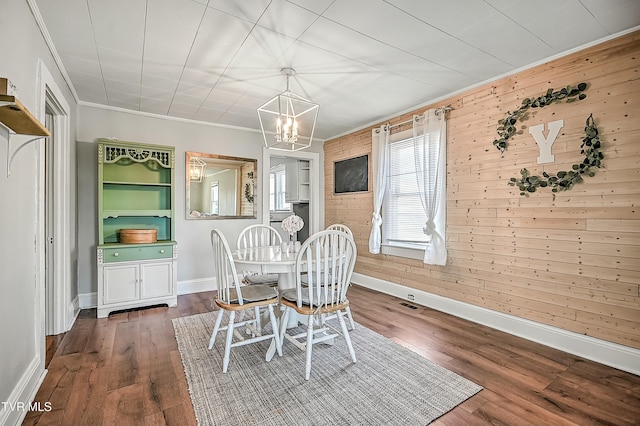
(288, 120)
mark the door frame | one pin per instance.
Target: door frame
(62, 315)
(316, 216)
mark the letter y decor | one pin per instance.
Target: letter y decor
(545, 144)
(590, 147)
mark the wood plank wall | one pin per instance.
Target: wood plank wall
(570, 260)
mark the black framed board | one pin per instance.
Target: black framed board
(351, 175)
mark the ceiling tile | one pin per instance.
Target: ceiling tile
(183, 18)
(156, 94)
(560, 25)
(450, 17)
(155, 105)
(315, 6)
(159, 83)
(247, 10)
(118, 25)
(182, 109)
(614, 15)
(286, 18)
(219, 38)
(208, 114)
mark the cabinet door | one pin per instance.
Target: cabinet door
(304, 181)
(298, 180)
(291, 183)
(155, 280)
(120, 283)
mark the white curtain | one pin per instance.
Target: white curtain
(380, 165)
(430, 144)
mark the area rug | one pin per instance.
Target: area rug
(388, 385)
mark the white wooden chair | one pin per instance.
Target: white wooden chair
(343, 228)
(258, 236)
(328, 256)
(232, 298)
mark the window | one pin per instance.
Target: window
(215, 203)
(414, 204)
(402, 209)
(409, 189)
(277, 188)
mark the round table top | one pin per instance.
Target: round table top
(269, 255)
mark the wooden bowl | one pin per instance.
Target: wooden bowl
(138, 236)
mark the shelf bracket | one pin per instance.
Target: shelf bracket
(18, 122)
(12, 151)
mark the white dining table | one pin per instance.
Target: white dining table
(270, 260)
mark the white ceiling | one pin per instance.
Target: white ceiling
(362, 60)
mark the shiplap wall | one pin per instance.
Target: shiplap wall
(570, 260)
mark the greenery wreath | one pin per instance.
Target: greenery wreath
(590, 146)
(248, 188)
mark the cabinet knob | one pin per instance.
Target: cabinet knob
(116, 254)
(162, 251)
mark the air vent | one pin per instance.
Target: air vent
(409, 305)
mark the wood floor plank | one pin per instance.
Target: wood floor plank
(126, 369)
(86, 401)
(125, 359)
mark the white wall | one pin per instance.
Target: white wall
(193, 236)
(21, 282)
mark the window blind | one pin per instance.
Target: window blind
(403, 211)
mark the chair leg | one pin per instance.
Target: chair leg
(307, 372)
(353, 323)
(227, 346)
(276, 330)
(283, 322)
(258, 323)
(345, 333)
(216, 328)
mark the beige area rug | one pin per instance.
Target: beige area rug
(389, 385)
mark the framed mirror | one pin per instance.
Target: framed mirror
(220, 187)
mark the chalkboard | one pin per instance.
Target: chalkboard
(351, 175)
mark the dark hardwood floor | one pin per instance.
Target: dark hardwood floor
(126, 370)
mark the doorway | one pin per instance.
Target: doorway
(315, 214)
(49, 247)
(55, 216)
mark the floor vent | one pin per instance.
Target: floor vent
(408, 305)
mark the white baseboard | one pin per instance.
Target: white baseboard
(88, 300)
(13, 411)
(196, 286)
(607, 353)
(73, 312)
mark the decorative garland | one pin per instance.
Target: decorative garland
(248, 193)
(507, 126)
(563, 181)
(590, 146)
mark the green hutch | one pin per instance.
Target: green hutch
(136, 191)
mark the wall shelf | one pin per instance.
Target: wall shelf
(21, 124)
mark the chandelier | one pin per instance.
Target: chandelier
(196, 169)
(291, 117)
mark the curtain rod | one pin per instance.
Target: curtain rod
(439, 110)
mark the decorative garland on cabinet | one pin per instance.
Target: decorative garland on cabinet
(590, 147)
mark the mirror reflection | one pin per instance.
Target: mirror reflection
(220, 187)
